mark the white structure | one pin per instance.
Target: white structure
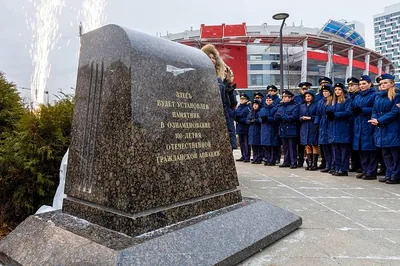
(336, 50)
(387, 35)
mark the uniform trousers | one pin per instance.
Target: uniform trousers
(257, 153)
(290, 150)
(369, 162)
(391, 156)
(341, 156)
(329, 156)
(244, 146)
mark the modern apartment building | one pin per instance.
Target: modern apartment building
(387, 35)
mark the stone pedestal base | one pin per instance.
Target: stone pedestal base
(223, 237)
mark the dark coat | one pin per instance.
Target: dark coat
(353, 95)
(308, 133)
(339, 130)
(362, 130)
(255, 127)
(288, 117)
(269, 127)
(276, 99)
(228, 107)
(240, 115)
(299, 98)
(319, 96)
(322, 122)
(387, 113)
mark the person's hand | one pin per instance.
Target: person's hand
(373, 122)
(305, 118)
(252, 121)
(398, 105)
(356, 110)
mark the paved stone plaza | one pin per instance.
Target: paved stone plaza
(346, 221)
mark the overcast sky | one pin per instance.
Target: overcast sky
(154, 17)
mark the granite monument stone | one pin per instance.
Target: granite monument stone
(151, 178)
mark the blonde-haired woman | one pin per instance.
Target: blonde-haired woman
(339, 130)
(226, 88)
(385, 118)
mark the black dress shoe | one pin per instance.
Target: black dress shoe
(256, 162)
(300, 164)
(332, 172)
(284, 165)
(326, 170)
(265, 163)
(271, 164)
(382, 179)
(392, 181)
(341, 173)
(322, 166)
(240, 160)
(369, 177)
(293, 166)
(359, 176)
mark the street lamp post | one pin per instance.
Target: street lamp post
(283, 17)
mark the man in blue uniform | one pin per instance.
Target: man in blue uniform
(288, 116)
(354, 90)
(242, 128)
(273, 91)
(259, 96)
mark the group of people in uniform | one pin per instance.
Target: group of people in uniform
(352, 128)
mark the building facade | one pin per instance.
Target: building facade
(336, 50)
(387, 35)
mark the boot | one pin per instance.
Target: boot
(309, 161)
(314, 166)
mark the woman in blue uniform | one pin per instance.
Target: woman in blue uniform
(308, 130)
(362, 105)
(299, 99)
(339, 132)
(322, 124)
(254, 120)
(242, 128)
(288, 116)
(354, 90)
(385, 118)
(269, 131)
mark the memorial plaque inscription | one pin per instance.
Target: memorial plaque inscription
(149, 136)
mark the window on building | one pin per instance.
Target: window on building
(255, 57)
(256, 79)
(256, 67)
(271, 57)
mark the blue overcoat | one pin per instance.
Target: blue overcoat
(269, 127)
(254, 128)
(339, 130)
(288, 117)
(240, 115)
(276, 99)
(322, 122)
(387, 113)
(362, 130)
(308, 134)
